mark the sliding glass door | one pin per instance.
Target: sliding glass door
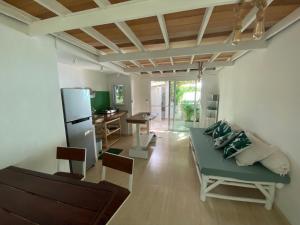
(177, 104)
(184, 105)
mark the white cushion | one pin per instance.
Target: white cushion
(257, 151)
(277, 162)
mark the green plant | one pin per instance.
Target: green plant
(188, 111)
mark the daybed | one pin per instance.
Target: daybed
(213, 170)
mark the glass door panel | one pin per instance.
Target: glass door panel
(184, 105)
(177, 104)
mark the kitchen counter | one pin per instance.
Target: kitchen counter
(108, 127)
(100, 118)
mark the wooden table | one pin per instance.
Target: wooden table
(102, 123)
(142, 140)
(31, 198)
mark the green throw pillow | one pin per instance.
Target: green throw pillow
(221, 130)
(225, 140)
(211, 128)
(239, 144)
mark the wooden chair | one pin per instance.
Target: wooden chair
(117, 162)
(74, 154)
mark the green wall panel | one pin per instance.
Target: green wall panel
(101, 100)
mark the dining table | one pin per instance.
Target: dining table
(30, 198)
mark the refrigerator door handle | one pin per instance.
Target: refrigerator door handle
(88, 132)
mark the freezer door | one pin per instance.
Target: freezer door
(82, 135)
(77, 103)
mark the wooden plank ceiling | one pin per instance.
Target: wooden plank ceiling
(182, 27)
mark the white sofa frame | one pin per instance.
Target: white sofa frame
(209, 183)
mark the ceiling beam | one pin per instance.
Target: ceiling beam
(199, 50)
(152, 62)
(102, 3)
(61, 10)
(20, 15)
(76, 42)
(203, 26)
(163, 28)
(129, 10)
(54, 6)
(101, 38)
(178, 75)
(16, 13)
(172, 63)
(130, 35)
(238, 55)
(282, 24)
(216, 55)
(177, 67)
(13, 12)
(135, 63)
(123, 26)
(127, 31)
(164, 31)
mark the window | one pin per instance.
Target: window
(118, 91)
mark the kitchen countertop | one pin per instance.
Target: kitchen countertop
(100, 118)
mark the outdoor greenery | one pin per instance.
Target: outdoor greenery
(187, 107)
(180, 92)
(189, 110)
(119, 94)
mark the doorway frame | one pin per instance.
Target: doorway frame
(177, 79)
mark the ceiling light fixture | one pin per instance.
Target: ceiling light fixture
(237, 30)
(237, 33)
(259, 28)
(200, 70)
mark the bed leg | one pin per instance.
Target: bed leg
(271, 197)
(203, 187)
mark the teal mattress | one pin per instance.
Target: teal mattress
(211, 162)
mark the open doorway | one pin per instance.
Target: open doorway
(177, 104)
(160, 105)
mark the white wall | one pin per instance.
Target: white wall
(140, 94)
(72, 76)
(261, 93)
(31, 117)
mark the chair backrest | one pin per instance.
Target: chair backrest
(118, 162)
(71, 153)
